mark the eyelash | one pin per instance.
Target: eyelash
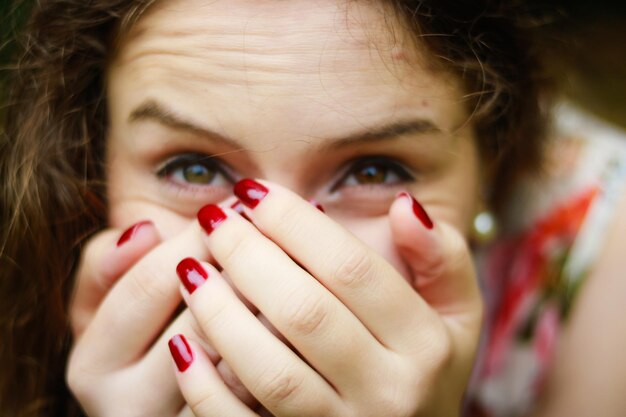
(186, 160)
(170, 167)
(387, 163)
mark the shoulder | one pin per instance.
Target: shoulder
(556, 280)
(588, 375)
(589, 156)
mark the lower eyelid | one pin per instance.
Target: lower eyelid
(177, 190)
(225, 182)
(403, 174)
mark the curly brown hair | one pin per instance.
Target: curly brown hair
(52, 139)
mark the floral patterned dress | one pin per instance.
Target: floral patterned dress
(531, 274)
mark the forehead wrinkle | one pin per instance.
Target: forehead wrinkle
(229, 51)
(235, 49)
(322, 65)
(257, 68)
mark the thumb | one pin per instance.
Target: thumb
(437, 256)
(104, 259)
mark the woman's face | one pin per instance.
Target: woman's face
(326, 97)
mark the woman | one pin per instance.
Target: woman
(143, 115)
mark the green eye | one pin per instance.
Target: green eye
(195, 169)
(196, 174)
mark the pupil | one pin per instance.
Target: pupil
(198, 174)
(371, 175)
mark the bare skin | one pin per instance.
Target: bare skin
(330, 100)
(285, 80)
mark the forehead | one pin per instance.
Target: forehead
(271, 36)
(297, 57)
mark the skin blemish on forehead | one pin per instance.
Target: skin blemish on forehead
(299, 92)
(266, 39)
(398, 53)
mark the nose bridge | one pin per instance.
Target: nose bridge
(288, 163)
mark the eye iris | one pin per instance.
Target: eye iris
(198, 174)
(371, 174)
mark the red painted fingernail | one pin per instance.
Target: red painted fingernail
(181, 352)
(191, 274)
(238, 207)
(317, 206)
(250, 192)
(418, 210)
(210, 216)
(132, 231)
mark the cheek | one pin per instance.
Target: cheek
(376, 233)
(129, 204)
(125, 212)
(132, 197)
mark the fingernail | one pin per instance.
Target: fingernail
(191, 274)
(238, 207)
(131, 232)
(181, 352)
(418, 210)
(250, 192)
(317, 206)
(210, 216)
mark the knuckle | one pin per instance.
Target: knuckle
(457, 252)
(452, 256)
(90, 265)
(78, 321)
(434, 350)
(440, 351)
(308, 316)
(288, 221)
(212, 320)
(355, 270)
(194, 327)
(145, 285)
(73, 380)
(397, 408)
(232, 251)
(86, 262)
(92, 249)
(231, 379)
(391, 400)
(78, 379)
(205, 404)
(280, 386)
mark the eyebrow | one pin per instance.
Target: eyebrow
(152, 110)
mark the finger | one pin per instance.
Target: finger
(357, 275)
(442, 271)
(155, 365)
(137, 308)
(309, 316)
(232, 381)
(273, 373)
(438, 258)
(105, 258)
(203, 389)
(186, 412)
